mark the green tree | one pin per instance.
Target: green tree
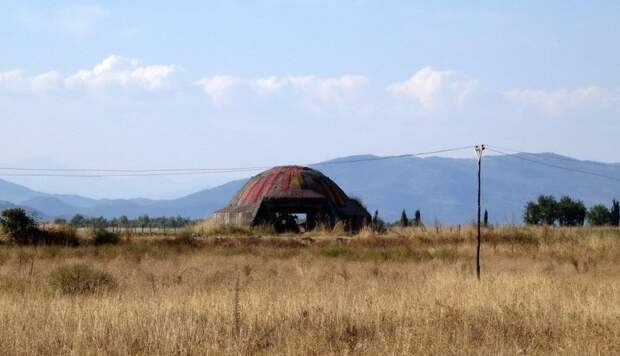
(548, 208)
(571, 212)
(18, 225)
(404, 220)
(417, 220)
(531, 214)
(599, 215)
(124, 221)
(377, 223)
(78, 221)
(99, 223)
(486, 218)
(615, 213)
(143, 221)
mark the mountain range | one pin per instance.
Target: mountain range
(444, 189)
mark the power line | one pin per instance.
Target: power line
(576, 170)
(103, 173)
(553, 157)
(393, 157)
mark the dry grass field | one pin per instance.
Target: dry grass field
(413, 291)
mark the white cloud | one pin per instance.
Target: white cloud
(45, 81)
(563, 100)
(270, 85)
(331, 90)
(154, 76)
(220, 87)
(121, 71)
(434, 90)
(11, 80)
(11, 76)
(312, 90)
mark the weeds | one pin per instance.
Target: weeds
(80, 279)
(236, 309)
(403, 292)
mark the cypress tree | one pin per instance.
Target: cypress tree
(486, 218)
(404, 220)
(418, 218)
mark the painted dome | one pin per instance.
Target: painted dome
(289, 182)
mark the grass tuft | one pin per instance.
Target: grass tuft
(80, 279)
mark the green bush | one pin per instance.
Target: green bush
(80, 279)
(105, 237)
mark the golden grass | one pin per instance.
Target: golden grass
(410, 291)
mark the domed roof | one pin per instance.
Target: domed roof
(292, 189)
(289, 182)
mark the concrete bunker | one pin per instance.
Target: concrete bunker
(293, 198)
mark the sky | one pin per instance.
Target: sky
(235, 83)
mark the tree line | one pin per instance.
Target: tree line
(379, 224)
(546, 210)
(123, 222)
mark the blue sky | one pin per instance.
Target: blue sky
(147, 84)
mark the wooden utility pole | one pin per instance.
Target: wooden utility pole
(478, 149)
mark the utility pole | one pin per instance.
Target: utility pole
(478, 149)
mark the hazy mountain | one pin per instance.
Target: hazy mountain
(35, 213)
(51, 205)
(442, 188)
(16, 193)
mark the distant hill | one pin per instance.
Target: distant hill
(442, 188)
(32, 212)
(16, 193)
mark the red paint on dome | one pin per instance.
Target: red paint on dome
(290, 181)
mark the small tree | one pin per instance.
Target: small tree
(486, 218)
(124, 222)
(404, 220)
(143, 221)
(417, 220)
(377, 223)
(78, 221)
(615, 213)
(548, 209)
(531, 214)
(599, 215)
(18, 225)
(571, 212)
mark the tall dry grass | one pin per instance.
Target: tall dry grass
(410, 291)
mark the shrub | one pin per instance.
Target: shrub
(64, 236)
(184, 237)
(80, 279)
(105, 237)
